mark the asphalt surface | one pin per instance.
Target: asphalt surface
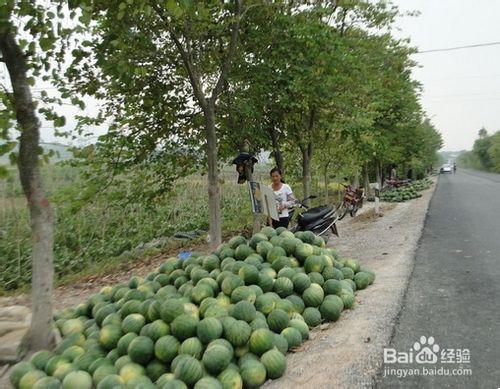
(453, 293)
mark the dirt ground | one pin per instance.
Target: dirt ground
(342, 354)
(348, 353)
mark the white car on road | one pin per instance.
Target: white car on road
(446, 169)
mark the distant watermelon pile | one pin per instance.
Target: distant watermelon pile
(407, 192)
(224, 320)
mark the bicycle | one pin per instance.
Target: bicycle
(351, 202)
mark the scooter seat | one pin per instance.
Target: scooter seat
(314, 214)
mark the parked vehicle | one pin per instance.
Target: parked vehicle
(351, 201)
(319, 220)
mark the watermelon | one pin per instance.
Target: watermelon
(73, 326)
(298, 303)
(301, 282)
(211, 262)
(133, 323)
(200, 292)
(249, 274)
(256, 239)
(171, 309)
(301, 326)
(347, 272)
(40, 359)
(266, 303)
(332, 286)
(261, 340)
(192, 346)
(166, 348)
(140, 350)
(362, 280)
(265, 282)
(208, 383)
(63, 370)
(314, 263)
(253, 374)
(243, 293)
(230, 379)
(19, 370)
(189, 370)
(274, 362)
(263, 248)
(235, 241)
(283, 286)
(122, 361)
(331, 308)
(316, 278)
(268, 231)
(244, 310)
(175, 384)
(47, 383)
(216, 359)
(238, 333)
(209, 329)
(280, 343)
(347, 298)
(109, 336)
(303, 251)
(130, 371)
(28, 380)
(184, 326)
(278, 320)
(352, 264)
(288, 244)
(77, 380)
(312, 317)
(72, 352)
(124, 342)
(281, 263)
(102, 372)
(285, 305)
(313, 296)
(292, 336)
(274, 253)
(112, 381)
(230, 283)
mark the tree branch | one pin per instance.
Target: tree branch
(226, 65)
(186, 57)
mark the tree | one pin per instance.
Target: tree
(494, 152)
(160, 69)
(16, 54)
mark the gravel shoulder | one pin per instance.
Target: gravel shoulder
(349, 353)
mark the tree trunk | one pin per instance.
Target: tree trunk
(278, 157)
(215, 230)
(367, 179)
(40, 333)
(378, 173)
(306, 171)
(355, 181)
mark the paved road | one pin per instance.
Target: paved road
(454, 291)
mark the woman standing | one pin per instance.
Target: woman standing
(284, 198)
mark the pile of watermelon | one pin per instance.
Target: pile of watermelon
(224, 320)
(407, 192)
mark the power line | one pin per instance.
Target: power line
(460, 47)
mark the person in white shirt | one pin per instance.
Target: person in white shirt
(284, 198)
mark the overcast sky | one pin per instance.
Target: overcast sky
(462, 87)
